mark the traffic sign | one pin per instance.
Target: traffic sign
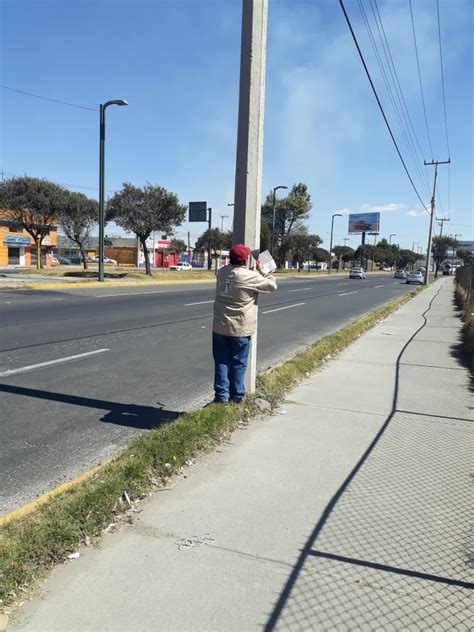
(198, 211)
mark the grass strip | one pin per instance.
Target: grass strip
(32, 543)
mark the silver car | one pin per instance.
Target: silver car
(415, 277)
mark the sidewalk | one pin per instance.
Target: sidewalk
(349, 512)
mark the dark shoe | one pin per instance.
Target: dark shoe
(236, 400)
(220, 401)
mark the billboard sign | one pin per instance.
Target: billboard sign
(364, 223)
(198, 211)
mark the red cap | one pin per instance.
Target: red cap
(239, 255)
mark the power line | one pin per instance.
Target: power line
(39, 96)
(379, 103)
(419, 79)
(64, 184)
(399, 92)
(442, 79)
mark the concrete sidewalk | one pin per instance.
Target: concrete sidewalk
(349, 512)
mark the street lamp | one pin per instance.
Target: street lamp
(103, 107)
(275, 189)
(390, 238)
(330, 246)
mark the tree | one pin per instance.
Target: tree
(33, 204)
(465, 256)
(385, 253)
(320, 255)
(179, 244)
(406, 258)
(440, 247)
(143, 210)
(77, 217)
(363, 253)
(343, 253)
(290, 213)
(265, 236)
(300, 246)
(215, 238)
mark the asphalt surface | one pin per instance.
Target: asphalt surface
(144, 356)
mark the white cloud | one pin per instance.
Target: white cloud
(414, 213)
(383, 208)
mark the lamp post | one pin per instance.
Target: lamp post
(390, 238)
(275, 189)
(330, 246)
(103, 107)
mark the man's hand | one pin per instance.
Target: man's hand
(259, 266)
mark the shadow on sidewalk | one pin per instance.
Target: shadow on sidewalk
(130, 415)
(390, 551)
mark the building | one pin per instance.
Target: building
(17, 247)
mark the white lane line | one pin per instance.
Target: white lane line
(198, 303)
(346, 293)
(126, 294)
(377, 286)
(396, 283)
(279, 309)
(344, 283)
(301, 289)
(24, 369)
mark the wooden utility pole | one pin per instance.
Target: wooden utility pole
(249, 162)
(440, 223)
(432, 216)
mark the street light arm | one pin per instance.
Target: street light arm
(115, 102)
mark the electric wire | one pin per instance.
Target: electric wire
(39, 96)
(420, 81)
(380, 104)
(64, 184)
(400, 97)
(442, 80)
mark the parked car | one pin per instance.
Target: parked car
(181, 266)
(62, 261)
(357, 273)
(415, 277)
(448, 270)
(421, 269)
(75, 261)
(106, 260)
(399, 274)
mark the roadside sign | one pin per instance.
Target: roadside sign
(198, 211)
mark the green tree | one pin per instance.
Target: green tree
(320, 255)
(343, 253)
(77, 217)
(300, 246)
(465, 256)
(440, 247)
(33, 204)
(215, 238)
(143, 210)
(406, 258)
(179, 244)
(265, 236)
(363, 253)
(290, 214)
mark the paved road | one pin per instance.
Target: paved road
(144, 355)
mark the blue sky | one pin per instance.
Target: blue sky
(177, 64)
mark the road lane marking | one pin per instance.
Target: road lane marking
(346, 293)
(127, 294)
(41, 365)
(347, 283)
(377, 286)
(279, 309)
(396, 283)
(198, 303)
(301, 289)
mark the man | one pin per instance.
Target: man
(235, 321)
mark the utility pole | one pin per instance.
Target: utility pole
(189, 246)
(223, 217)
(345, 240)
(209, 250)
(248, 172)
(452, 256)
(330, 244)
(440, 223)
(432, 216)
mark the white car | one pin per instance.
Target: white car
(357, 273)
(415, 277)
(182, 265)
(106, 260)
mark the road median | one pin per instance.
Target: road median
(47, 531)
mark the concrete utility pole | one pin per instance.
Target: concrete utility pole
(223, 217)
(454, 248)
(248, 172)
(432, 216)
(330, 244)
(440, 223)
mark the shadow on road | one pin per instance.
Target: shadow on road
(390, 550)
(130, 415)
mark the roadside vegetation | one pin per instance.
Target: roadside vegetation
(464, 300)
(30, 544)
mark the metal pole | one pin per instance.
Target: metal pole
(248, 173)
(273, 221)
(101, 190)
(330, 245)
(432, 216)
(209, 257)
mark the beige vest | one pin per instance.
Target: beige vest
(235, 307)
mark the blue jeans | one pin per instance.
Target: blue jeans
(230, 355)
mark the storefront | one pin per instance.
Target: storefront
(17, 250)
